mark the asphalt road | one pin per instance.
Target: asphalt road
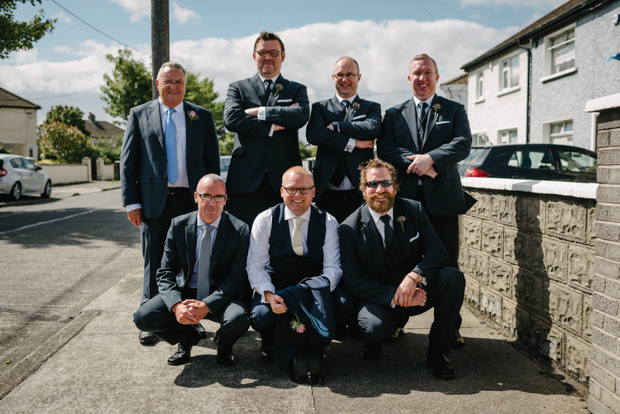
(56, 256)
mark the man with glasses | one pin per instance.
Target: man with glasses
(202, 275)
(265, 112)
(169, 145)
(291, 242)
(394, 267)
(344, 129)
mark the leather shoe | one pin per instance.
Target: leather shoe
(456, 340)
(147, 338)
(371, 351)
(184, 348)
(266, 352)
(224, 352)
(201, 330)
(441, 366)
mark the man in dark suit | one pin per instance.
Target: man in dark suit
(168, 145)
(394, 267)
(202, 275)
(265, 112)
(424, 138)
(344, 129)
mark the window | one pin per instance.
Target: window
(480, 139)
(508, 136)
(561, 132)
(479, 85)
(510, 73)
(534, 159)
(560, 52)
(577, 161)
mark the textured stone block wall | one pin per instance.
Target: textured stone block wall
(529, 262)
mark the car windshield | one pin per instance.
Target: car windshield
(475, 157)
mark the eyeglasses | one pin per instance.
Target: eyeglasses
(178, 84)
(302, 190)
(272, 53)
(208, 197)
(345, 75)
(375, 184)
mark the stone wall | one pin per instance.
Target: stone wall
(528, 257)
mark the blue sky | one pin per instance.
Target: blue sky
(215, 38)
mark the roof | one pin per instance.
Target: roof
(10, 100)
(103, 129)
(559, 15)
(459, 80)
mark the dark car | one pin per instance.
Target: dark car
(531, 162)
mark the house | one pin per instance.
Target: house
(101, 131)
(533, 86)
(456, 89)
(18, 124)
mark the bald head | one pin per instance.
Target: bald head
(297, 170)
(210, 179)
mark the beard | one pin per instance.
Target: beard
(380, 206)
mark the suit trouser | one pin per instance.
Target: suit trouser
(444, 293)
(246, 206)
(264, 320)
(154, 316)
(340, 204)
(153, 232)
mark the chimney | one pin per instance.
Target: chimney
(91, 117)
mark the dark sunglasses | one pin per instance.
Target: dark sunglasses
(375, 184)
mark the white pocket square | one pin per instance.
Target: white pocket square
(414, 237)
(442, 122)
(358, 117)
(285, 100)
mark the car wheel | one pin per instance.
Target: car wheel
(47, 191)
(16, 191)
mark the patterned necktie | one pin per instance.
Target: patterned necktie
(388, 231)
(204, 279)
(345, 108)
(171, 147)
(268, 85)
(421, 123)
(296, 241)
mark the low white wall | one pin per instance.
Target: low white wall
(67, 173)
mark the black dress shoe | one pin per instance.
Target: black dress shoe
(184, 348)
(266, 352)
(456, 340)
(224, 352)
(147, 338)
(201, 330)
(371, 351)
(440, 365)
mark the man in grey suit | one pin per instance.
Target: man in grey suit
(202, 275)
(424, 138)
(168, 146)
(344, 129)
(265, 112)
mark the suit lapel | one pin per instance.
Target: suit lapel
(154, 120)
(351, 112)
(273, 96)
(403, 229)
(430, 120)
(371, 234)
(259, 88)
(190, 243)
(411, 118)
(190, 129)
(220, 239)
(335, 108)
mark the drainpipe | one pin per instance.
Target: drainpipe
(528, 49)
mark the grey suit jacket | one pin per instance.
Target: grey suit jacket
(144, 171)
(227, 265)
(447, 140)
(362, 257)
(363, 124)
(256, 153)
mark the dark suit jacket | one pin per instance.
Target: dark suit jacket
(255, 152)
(447, 140)
(363, 124)
(362, 257)
(230, 250)
(144, 170)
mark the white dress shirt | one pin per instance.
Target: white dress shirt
(258, 255)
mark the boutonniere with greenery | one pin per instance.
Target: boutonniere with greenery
(355, 106)
(436, 108)
(278, 87)
(297, 325)
(193, 116)
(401, 220)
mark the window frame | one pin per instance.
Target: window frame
(551, 50)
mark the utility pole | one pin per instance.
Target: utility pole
(160, 38)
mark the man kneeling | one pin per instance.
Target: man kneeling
(394, 267)
(202, 275)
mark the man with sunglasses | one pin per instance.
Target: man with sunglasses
(291, 242)
(265, 112)
(394, 266)
(202, 275)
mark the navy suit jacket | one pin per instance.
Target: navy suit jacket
(447, 140)
(362, 257)
(144, 166)
(255, 152)
(363, 124)
(227, 265)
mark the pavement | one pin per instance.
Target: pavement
(95, 364)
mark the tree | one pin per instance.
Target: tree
(21, 35)
(63, 143)
(129, 85)
(201, 93)
(68, 115)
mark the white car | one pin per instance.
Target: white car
(19, 175)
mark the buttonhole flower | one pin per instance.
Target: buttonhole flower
(436, 108)
(278, 87)
(355, 106)
(193, 116)
(401, 220)
(297, 325)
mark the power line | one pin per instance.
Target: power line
(94, 28)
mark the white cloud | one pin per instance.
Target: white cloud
(137, 9)
(61, 17)
(182, 15)
(540, 4)
(25, 56)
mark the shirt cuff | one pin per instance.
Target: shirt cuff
(261, 113)
(133, 207)
(273, 126)
(350, 145)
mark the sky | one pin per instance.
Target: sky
(215, 39)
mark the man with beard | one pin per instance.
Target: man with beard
(394, 266)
